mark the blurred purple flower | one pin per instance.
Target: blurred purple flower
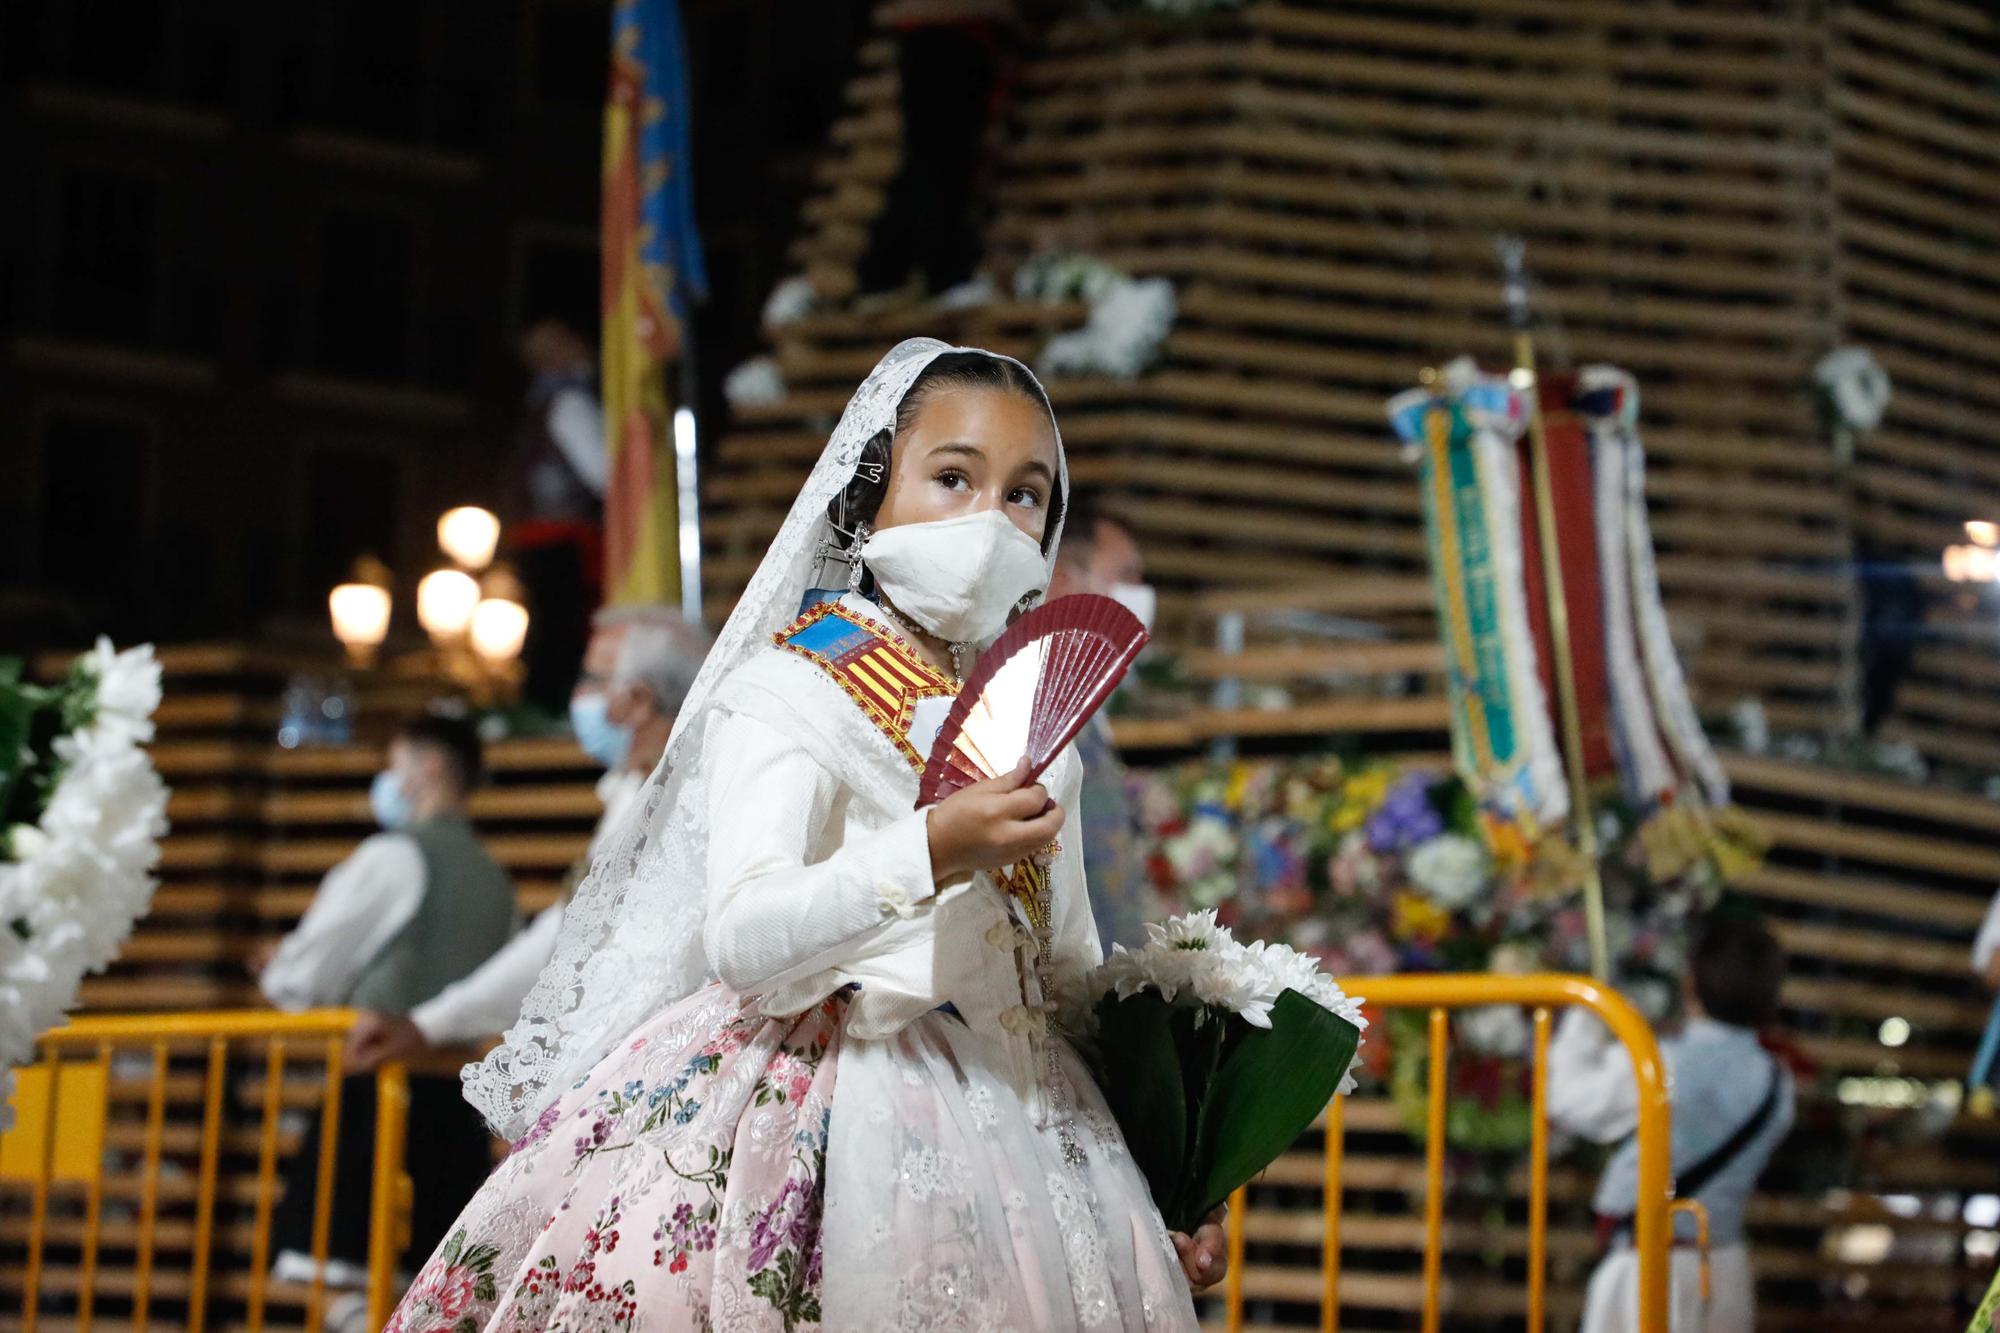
(1406, 817)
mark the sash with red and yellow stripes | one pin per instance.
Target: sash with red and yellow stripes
(881, 673)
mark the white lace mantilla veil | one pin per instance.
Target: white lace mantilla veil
(631, 941)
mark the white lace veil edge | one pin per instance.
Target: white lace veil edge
(631, 938)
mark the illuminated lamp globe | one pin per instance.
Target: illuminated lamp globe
(469, 534)
(360, 614)
(445, 602)
(499, 628)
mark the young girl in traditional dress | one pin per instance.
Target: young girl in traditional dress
(792, 1065)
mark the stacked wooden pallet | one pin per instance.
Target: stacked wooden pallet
(1711, 197)
(1914, 126)
(1325, 188)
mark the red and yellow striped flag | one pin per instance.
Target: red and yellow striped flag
(652, 265)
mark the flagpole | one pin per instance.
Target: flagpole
(687, 493)
(1585, 824)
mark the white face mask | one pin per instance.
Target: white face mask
(957, 577)
(1139, 599)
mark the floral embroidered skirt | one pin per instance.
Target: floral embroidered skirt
(722, 1171)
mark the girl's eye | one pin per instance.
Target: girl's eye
(953, 481)
(1027, 497)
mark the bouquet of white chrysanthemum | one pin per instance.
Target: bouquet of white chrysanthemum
(81, 817)
(1215, 1056)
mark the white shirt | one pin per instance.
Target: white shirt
(488, 999)
(576, 424)
(359, 907)
(1988, 941)
(1717, 1076)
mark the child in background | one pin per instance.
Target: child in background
(1732, 1105)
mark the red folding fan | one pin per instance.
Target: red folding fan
(1032, 692)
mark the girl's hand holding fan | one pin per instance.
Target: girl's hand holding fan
(991, 824)
(1030, 694)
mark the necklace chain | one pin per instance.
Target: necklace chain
(957, 650)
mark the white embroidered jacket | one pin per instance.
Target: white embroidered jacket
(813, 886)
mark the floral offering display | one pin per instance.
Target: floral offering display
(81, 816)
(1371, 868)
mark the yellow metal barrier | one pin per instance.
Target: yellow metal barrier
(62, 1108)
(1440, 994)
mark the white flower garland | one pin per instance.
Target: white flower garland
(1194, 959)
(1129, 317)
(790, 301)
(1854, 387)
(757, 382)
(73, 882)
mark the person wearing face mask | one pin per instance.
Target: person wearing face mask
(637, 669)
(799, 1031)
(413, 909)
(1099, 555)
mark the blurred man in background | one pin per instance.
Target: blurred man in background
(555, 525)
(415, 908)
(1099, 555)
(638, 668)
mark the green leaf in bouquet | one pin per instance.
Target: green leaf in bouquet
(1143, 1086)
(1271, 1086)
(1200, 1036)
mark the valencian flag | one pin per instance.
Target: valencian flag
(1637, 724)
(652, 269)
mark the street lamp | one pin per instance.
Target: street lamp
(360, 610)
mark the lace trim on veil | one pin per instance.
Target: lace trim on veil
(631, 936)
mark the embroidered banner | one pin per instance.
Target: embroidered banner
(1502, 741)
